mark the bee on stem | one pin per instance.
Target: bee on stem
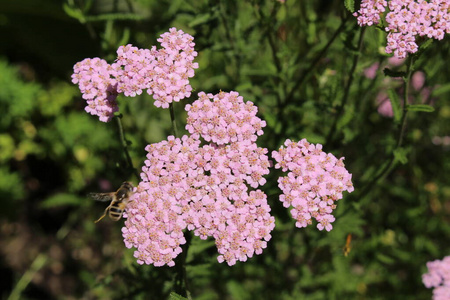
(119, 200)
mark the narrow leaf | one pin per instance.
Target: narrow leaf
(350, 5)
(420, 107)
(200, 19)
(175, 296)
(445, 88)
(61, 200)
(74, 13)
(395, 102)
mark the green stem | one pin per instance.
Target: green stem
(316, 60)
(347, 89)
(26, 278)
(125, 146)
(172, 117)
(181, 286)
(389, 166)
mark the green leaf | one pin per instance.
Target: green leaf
(420, 107)
(200, 19)
(385, 259)
(423, 47)
(175, 296)
(394, 74)
(61, 200)
(400, 155)
(440, 90)
(395, 102)
(350, 5)
(74, 13)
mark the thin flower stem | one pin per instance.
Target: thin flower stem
(316, 60)
(347, 89)
(181, 283)
(389, 166)
(125, 146)
(172, 118)
(181, 286)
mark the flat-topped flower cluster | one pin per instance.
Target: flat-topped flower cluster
(164, 73)
(315, 181)
(203, 188)
(225, 119)
(406, 20)
(438, 277)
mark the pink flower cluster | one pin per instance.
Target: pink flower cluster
(204, 189)
(406, 20)
(99, 88)
(163, 73)
(438, 276)
(225, 119)
(315, 181)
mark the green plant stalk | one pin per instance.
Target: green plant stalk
(316, 60)
(172, 118)
(347, 89)
(125, 146)
(181, 283)
(26, 278)
(290, 95)
(388, 167)
(181, 286)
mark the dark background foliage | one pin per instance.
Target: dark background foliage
(302, 63)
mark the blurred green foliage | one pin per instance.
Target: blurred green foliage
(295, 62)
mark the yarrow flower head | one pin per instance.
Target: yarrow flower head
(224, 118)
(203, 189)
(438, 276)
(164, 73)
(315, 181)
(406, 19)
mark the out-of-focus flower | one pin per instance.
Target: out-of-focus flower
(441, 140)
(395, 61)
(438, 277)
(418, 80)
(315, 181)
(384, 105)
(371, 72)
(418, 91)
